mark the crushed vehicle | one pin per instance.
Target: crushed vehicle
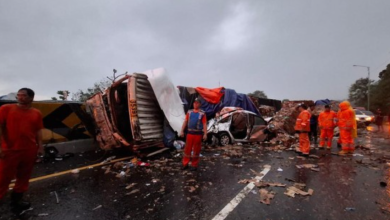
(131, 114)
(235, 125)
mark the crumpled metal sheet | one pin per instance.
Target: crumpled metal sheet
(147, 118)
(104, 133)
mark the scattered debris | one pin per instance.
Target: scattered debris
(292, 190)
(24, 211)
(280, 169)
(256, 173)
(97, 207)
(246, 181)
(265, 196)
(266, 184)
(290, 180)
(308, 166)
(349, 209)
(109, 159)
(131, 186)
(132, 192)
(383, 184)
(75, 171)
(57, 199)
(315, 169)
(192, 189)
(43, 214)
(143, 164)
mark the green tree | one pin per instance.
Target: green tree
(258, 94)
(381, 92)
(62, 95)
(84, 95)
(358, 92)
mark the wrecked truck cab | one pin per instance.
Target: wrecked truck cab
(127, 115)
(235, 125)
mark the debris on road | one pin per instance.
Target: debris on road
(256, 173)
(132, 192)
(97, 207)
(109, 159)
(308, 166)
(291, 191)
(75, 171)
(266, 184)
(57, 199)
(43, 214)
(315, 169)
(131, 186)
(314, 156)
(266, 196)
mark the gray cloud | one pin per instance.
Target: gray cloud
(289, 49)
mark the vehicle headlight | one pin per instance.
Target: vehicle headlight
(368, 119)
(357, 119)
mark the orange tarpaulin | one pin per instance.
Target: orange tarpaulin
(210, 95)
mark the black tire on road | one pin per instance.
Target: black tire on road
(224, 139)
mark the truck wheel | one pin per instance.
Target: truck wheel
(224, 139)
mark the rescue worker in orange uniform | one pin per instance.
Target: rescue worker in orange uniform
(302, 126)
(327, 123)
(348, 127)
(195, 123)
(20, 142)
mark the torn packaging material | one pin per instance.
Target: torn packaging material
(265, 196)
(292, 190)
(167, 97)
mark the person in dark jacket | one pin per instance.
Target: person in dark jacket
(379, 120)
(313, 124)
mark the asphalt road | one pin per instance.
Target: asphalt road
(344, 187)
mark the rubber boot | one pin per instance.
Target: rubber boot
(17, 204)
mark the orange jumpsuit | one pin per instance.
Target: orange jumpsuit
(302, 125)
(19, 146)
(347, 125)
(326, 121)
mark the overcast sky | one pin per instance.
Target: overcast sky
(301, 49)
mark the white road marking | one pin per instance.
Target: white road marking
(240, 196)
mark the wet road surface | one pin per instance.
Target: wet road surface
(344, 187)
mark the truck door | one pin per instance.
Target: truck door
(98, 108)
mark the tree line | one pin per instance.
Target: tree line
(379, 92)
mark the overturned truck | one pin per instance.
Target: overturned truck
(133, 113)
